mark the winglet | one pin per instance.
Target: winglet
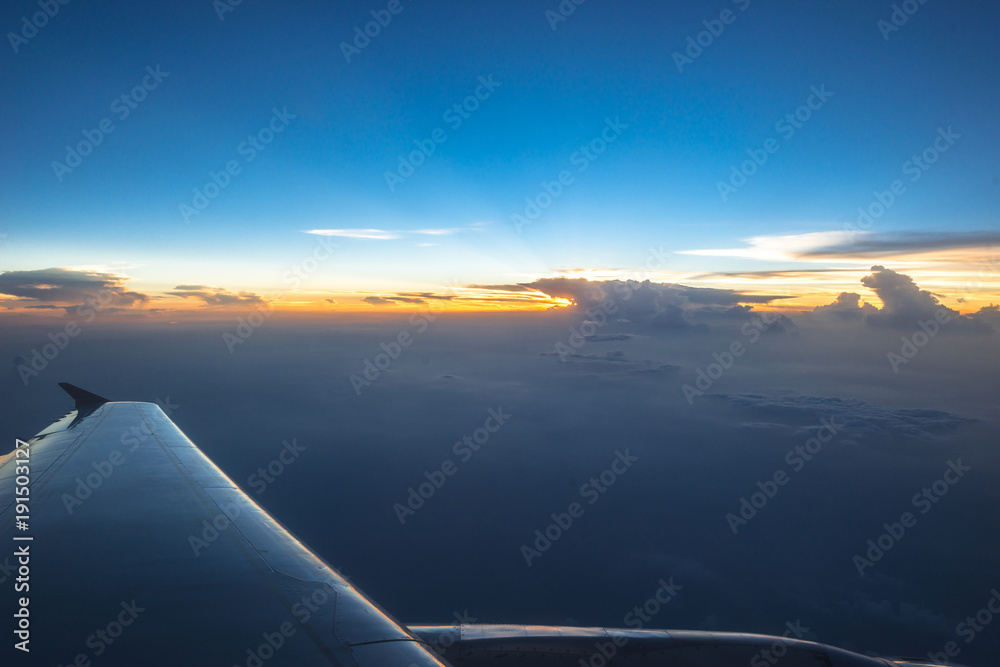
(83, 398)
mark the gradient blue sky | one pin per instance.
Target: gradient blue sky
(656, 186)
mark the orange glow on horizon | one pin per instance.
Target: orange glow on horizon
(965, 288)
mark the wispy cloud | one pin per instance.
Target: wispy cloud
(374, 234)
(407, 297)
(847, 246)
(776, 248)
(378, 301)
(441, 232)
(897, 243)
(216, 296)
(392, 234)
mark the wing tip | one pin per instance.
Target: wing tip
(82, 397)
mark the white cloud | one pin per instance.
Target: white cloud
(778, 248)
(376, 234)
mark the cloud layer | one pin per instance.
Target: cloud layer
(70, 289)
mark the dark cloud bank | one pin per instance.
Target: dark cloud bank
(580, 384)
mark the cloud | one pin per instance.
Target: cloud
(69, 288)
(899, 243)
(389, 235)
(425, 295)
(725, 297)
(844, 244)
(776, 248)
(374, 234)
(441, 232)
(615, 358)
(581, 270)
(848, 306)
(855, 414)
(503, 288)
(663, 306)
(580, 291)
(216, 296)
(905, 305)
(407, 297)
(989, 314)
(804, 274)
(608, 338)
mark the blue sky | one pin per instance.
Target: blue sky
(656, 185)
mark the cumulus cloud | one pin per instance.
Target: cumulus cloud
(904, 304)
(662, 306)
(216, 296)
(580, 291)
(989, 314)
(70, 289)
(847, 306)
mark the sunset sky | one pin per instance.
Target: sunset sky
(319, 135)
(696, 231)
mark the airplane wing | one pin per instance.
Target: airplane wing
(123, 544)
